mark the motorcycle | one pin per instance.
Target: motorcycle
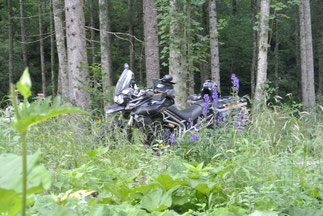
(155, 112)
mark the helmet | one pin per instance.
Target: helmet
(208, 87)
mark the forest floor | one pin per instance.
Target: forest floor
(272, 167)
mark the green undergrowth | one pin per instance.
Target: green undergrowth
(273, 166)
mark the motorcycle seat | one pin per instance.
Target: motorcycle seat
(190, 113)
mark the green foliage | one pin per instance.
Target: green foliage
(271, 167)
(26, 116)
(11, 180)
(196, 43)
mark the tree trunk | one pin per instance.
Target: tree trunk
(10, 42)
(141, 57)
(131, 32)
(309, 53)
(63, 78)
(105, 41)
(298, 58)
(76, 52)
(254, 10)
(189, 49)
(302, 50)
(320, 50)
(23, 35)
(93, 52)
(151, 41)
(306, 55)
(214, 44)
(276, 58)
(41, 46)
(52, 57)
(262, 52)
(177, 60)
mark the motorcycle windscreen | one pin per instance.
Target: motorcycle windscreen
(123, 82)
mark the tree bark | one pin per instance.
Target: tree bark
(262, 52)
(298, 58)
(41, 46)
(306, 56)
(320, 50)
(189, 50)
(131, 32)
(151, 41)
(63, 78)
(76, 52)
(23, 35)
(309, 53)
(276, 57)
(105, 41)
(254, 10)
(177, 60)
(214, 44)
(93, 52)
(302, 50)
(52, 57)
(10, 42)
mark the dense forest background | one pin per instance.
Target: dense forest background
(236, 24)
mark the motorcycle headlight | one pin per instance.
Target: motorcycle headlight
(119, 99)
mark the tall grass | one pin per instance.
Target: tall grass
(273, 164)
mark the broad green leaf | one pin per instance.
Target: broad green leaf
(145, 188)
(222, 212)
(63, 212)
(40, 111)
(120, 192)
(158, 200)
(168, 182)
(264, 213)
(103, 210)
(191, 167)
(198, 169)
(10, 202)
(165, 213)
(45, 205)
(11, 180)
(296, 211)
(117, 210)
(24, 84)
(11, 173)
(202, 185)
(238, 211)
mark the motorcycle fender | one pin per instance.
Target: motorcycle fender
(114, 108)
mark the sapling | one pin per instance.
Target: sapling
(31, 114)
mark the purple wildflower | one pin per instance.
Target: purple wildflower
(189, 124)
(215, 96)
(206, 104)
(239, 121)
(219, 117)
(235, 82)
(197, 127)
(172, 139)
(194, 137)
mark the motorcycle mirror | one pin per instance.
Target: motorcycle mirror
(167, 78)
(126, 66)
